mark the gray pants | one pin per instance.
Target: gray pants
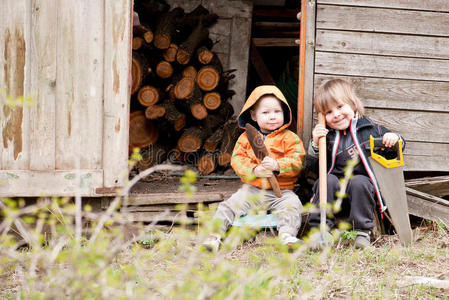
(287, 208)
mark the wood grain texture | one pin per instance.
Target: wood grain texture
(397, 93)
(25, 183)
(14, 83)
(434, 5)
(382, 20)
(436, 186)
(238, 57)
(309, 73)
(382, 44)
(43, 82)
(381, 66)
(79, 85)
(426, 206)
(416, 126)
(274, 42)
(117, 57)
(419, 156)
(176, 198)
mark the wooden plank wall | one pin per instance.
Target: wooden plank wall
(232, 33)
(74, 64)
(14, 122)
(397, 54)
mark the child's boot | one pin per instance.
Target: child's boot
(212, 243)
(288, 239)
(362, 240)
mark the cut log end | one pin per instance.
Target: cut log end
(198, 111)
(170, 54)
(148, 95)
(137, 43)
(142, 132)
(189, 144)
(192, 139)
(164, 69)
(207, 78)
(212, 100)
(154, 111)
(162, 41)
(206, 164)
(184, 88)
(189, 72)
(205, 56)
(148, 36)
(136, 74)
(183, 57)
(224, 159)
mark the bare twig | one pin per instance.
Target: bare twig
(113, 206)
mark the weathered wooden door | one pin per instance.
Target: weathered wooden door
(71, 59)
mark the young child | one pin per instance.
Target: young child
(268, 111)
(348, 133)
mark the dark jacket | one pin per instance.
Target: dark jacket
(360, 131)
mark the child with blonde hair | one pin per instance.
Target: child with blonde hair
(348, 137)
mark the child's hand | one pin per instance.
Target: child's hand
(319, 131)
(260, 171)
(270, 164)
(390, 139)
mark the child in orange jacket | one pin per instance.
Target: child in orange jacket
(268, 111)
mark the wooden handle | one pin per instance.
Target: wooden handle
(322, 175)
(275, 185)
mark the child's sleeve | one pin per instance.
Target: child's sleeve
(243, 160)
(311, 161)
(293, 161)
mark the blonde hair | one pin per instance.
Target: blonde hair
(335, 91)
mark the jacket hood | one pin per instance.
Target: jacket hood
(245, 115)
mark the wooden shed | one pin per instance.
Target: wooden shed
(72, 59)
(397, 54)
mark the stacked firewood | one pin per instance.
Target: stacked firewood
(180, 97)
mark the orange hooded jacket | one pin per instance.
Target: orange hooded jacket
(282, 144)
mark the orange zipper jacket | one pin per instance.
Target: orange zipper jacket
(283, 145)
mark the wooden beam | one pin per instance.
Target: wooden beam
(434, 5)
(275, 13)
(382, 20)
(436, 186)
(157, 216)
(306, 76)
(259, 65)
(427, 206)
(276, 25)
(274, 42)
(176, 198)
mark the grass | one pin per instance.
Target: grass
(171, 265)
(106, 263)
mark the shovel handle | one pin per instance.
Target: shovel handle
(322, 175)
